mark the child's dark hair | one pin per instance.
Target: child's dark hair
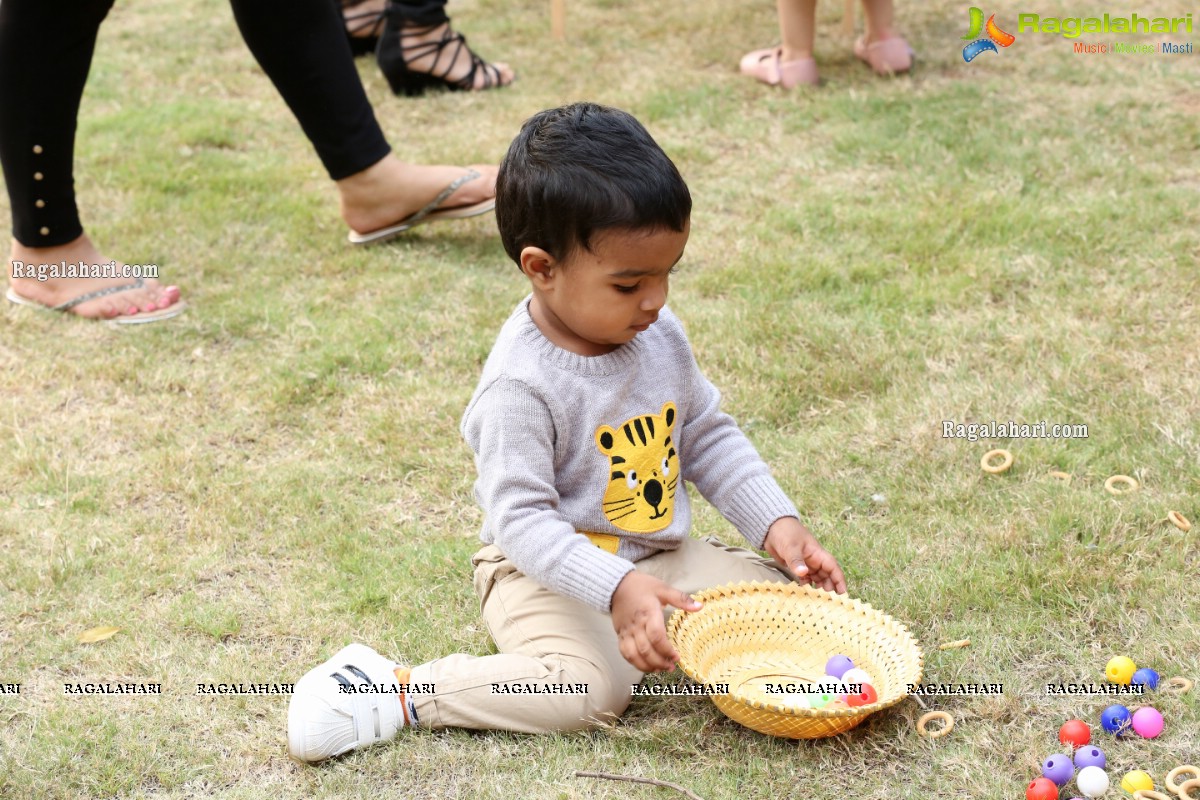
(580, 169)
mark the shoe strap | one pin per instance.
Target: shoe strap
(83, 298)
(450, 37)
(441, 198)
(364, 20)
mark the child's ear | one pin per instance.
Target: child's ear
(539, 266)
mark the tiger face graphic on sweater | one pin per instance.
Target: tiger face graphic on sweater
(644, 471)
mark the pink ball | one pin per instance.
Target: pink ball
(1147, 722)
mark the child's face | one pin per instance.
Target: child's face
(602, 298)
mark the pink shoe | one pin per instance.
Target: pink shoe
(888, 57)
(766, 67)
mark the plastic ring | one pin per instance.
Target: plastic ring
(1006, 460)
(1130, 484)
(932, 715)
(1150, 794)
(1065, 477)
(1185, 789)
(1175, 773)
(1179, 685)
(1179, 521)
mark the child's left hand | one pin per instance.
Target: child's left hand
(793, 545)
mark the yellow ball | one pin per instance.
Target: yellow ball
(1137, 780)
(1120, 670)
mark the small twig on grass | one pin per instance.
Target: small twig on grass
(954, 645)
(633, 779)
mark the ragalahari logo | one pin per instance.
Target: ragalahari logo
(994, 37)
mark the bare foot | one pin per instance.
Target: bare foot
(391, 190)
(453, 61)
(56, 291)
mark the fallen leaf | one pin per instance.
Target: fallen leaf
(98, 634)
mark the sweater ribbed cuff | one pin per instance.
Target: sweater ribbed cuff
(755, 505)
(595, 575)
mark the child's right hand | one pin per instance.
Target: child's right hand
(637, 617)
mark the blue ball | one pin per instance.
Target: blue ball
(1146, 677)
(1116, 719)
(1088, 756)
(1059, 769)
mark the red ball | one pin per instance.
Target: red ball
(1041, 789)
(864, 698)
(1075, 732)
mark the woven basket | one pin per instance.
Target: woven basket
(749, 635)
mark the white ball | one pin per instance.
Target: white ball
(796, 701)
(829, 680)
(1092, 781)
(857, 675)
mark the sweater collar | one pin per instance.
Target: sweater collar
(548, 352)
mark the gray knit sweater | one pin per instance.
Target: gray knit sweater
(580, 458)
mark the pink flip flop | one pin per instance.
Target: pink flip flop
(764, 65)
(888, 57)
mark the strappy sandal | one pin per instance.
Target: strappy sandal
(400, 46)
(172, 310)
(432, 212)
(362, 43)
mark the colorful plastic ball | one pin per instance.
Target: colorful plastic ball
(833, 680)
(796, 701)
(857, 675)
(1041, 789)
(820, 700)
(1145, 677)
(1120, 670)
(838, 665)
(1092, 781)
(1058, 768)
(1090, 757)
(1116, 719)
(864, 698)
(1137, 779)
(1147, 722)
(1075, 732)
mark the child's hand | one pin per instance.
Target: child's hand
(793, 545)
(637, 617)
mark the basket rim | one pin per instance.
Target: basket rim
(751, 588)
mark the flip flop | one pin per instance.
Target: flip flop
(430, 213)
(173, 310)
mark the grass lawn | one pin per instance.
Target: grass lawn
(247, 488)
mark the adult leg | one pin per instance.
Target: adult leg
(45, 56)
(301, 46)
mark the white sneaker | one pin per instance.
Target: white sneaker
(352, 700)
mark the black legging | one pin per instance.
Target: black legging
(46, 51)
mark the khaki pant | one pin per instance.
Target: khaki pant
(547, 640)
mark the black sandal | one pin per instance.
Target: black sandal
(359, 22)
(394, 56)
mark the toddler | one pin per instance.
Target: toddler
(589, 416)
